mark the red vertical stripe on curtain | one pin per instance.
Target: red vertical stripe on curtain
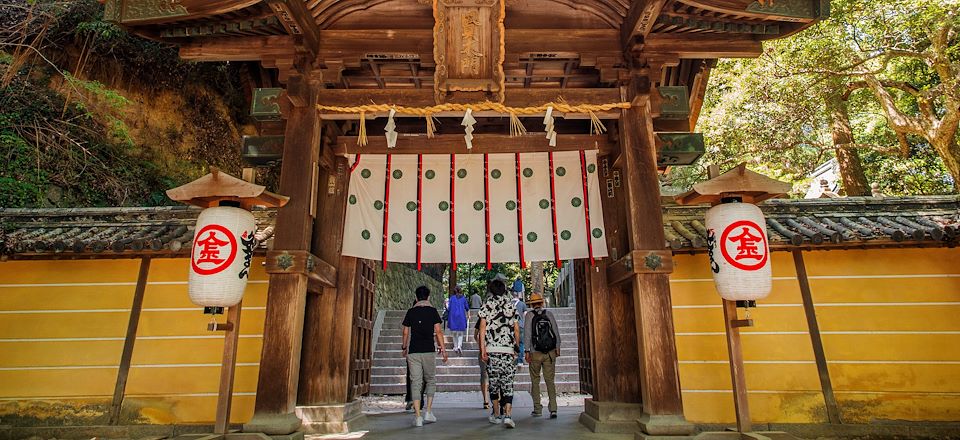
(419, 210)
(523, 261)
(486, 205)
(386, 213)
(553, 212)
(453, 197)
(356, 163)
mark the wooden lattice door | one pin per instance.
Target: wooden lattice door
(362, 350)
(584, 342)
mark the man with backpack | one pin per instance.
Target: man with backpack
(542, 342)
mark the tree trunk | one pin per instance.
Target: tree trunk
(536, 277)
(851, 169)
(949, 152)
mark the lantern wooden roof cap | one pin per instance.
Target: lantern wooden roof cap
(215, 187)
(751, 186)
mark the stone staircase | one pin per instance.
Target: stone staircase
(462, 373)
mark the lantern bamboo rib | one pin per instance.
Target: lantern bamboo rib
(482, 106)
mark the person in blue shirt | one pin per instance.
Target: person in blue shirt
(458, 313)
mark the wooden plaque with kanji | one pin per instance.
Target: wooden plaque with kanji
(468, 49)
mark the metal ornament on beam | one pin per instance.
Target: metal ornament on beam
(320, 273)
(640, 262)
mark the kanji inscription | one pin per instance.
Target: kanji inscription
(214, 249)
(744, 245)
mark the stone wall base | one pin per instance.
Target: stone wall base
(611, 417)
(332, 419)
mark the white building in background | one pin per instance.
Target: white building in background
(828, 172)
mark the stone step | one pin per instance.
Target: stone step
(565, 352)
(562, 387)
(470, 346)
(465, 378)
(387, 335)
(561, 316)
(555, 310)
(463, 369)
(455, 361)
(565, 333)
(396, 322)
(462, 372)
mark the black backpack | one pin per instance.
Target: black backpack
(544, 340)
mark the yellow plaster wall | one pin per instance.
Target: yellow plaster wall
(62, 325)
(890, 333)
(891, 337)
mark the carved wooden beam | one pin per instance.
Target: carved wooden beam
(422, 98)
(594, 46)
(640, 20)
(702, 46)
(298, 21)
(238, 48)
(142, 12)
(803, 11)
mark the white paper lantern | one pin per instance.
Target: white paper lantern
(223, 246)
(739, 251)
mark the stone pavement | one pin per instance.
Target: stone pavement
(465, 400)
(466, 423)
(461, 416)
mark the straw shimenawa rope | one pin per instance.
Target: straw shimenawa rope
(516, 128)
(562, 107)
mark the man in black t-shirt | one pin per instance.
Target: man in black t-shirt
(421, 327)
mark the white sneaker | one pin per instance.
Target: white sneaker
(495, 419)
(429, 417)
(508, 422)
(418, 422)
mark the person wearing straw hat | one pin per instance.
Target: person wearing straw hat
(542, 342)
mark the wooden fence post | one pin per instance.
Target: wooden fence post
(128, 341)
(833, 410)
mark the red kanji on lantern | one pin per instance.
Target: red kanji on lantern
(750, 243)
(214, 250)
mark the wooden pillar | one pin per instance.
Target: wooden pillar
(228, 369)
(286, 294)
(128, 342)
(327, 362)
(611, 309)
(652, 305)
(738, 378)
(612, 325)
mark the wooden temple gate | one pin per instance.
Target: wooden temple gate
(651, 57)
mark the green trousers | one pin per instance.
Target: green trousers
(545, 363)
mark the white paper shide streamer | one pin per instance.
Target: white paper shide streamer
(468, 122)
(739, 251)
(390, 131)
(223, 247)
(548, 121)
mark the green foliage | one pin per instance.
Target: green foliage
(21, 181)
(771, 112)
(112, 98)
(473, 278)
(89, 138)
